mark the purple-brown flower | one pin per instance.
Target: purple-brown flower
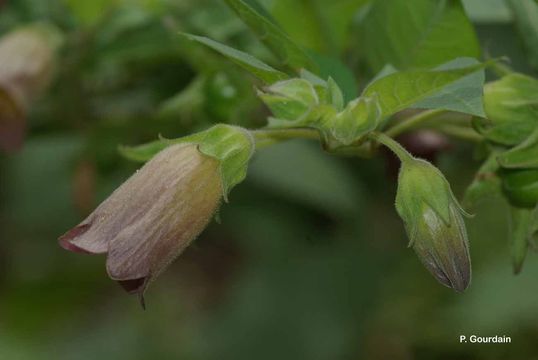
(152, 217)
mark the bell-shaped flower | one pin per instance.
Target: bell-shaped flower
(153, 216)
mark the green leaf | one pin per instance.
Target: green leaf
(322, 25)
(246, 61)
(331, 67)
(453, 86)
(273, 37)
(487, 12)
(90, 12)
(526, 16)
(419, 33)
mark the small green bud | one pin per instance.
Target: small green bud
(290, 99)
(525, 155)
(521, 187)
(434, 223)
(351, 125)
(511, 107)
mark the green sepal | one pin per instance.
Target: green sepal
(350, 126)
(486, 183)
(232, 146)
(144, 152)
(335, 97)
(290, 99)
(523, 156)
(511, 106)
(422, 183)
(340, 132)
(521, 187)
(523, 228)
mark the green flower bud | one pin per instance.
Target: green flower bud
(523, 156)
(434, 223)
(511, 109)
(290, 99)
(521, 187)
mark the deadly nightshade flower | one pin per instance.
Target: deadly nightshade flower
(434, 223)
(152, 217)
(27, 56)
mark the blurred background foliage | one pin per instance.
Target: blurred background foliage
(309, 260)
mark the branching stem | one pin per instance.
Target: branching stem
(267, 137)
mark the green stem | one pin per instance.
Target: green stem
(412, 122)
(393, 145)
(268, 137)
(460, 132)
(500, 69)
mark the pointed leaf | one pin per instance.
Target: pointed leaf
(272, 36)
(246, 61)
(402, 90)
(526, 16)
(421, 33)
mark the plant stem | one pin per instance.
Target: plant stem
(500, 69)
(268, 137)
(460, 132)
(412, 122)
(393, 145)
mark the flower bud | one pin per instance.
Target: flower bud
(290, 99)
(434, 223)
(152, 217)
(524, 155)
(521, 187)
(27, 58)
(510, 106)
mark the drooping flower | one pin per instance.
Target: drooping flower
(152, 217)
